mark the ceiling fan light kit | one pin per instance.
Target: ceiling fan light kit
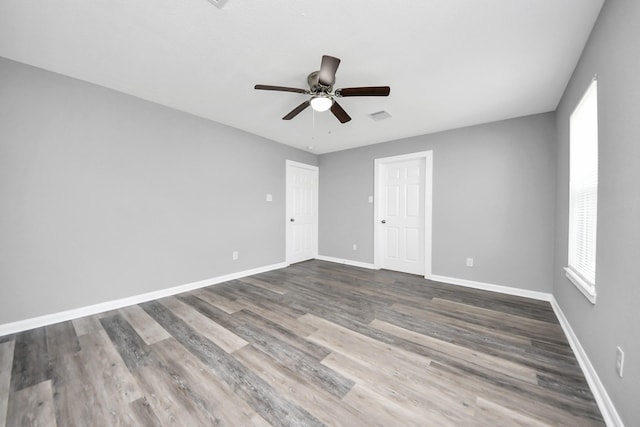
(321, 91)
(321, 102)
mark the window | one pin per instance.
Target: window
(583, 192)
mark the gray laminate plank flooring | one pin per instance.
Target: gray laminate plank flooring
(6, 358)
(313, 344)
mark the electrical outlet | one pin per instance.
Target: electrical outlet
(370, 199)
(234, 255)
(269, 198)
(619, 361)
(355, 247)
(469, 262)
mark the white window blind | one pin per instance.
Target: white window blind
(583, 192)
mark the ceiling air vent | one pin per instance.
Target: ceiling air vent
(218, 3)
(380, 115)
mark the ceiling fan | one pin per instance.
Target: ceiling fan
(322, 93)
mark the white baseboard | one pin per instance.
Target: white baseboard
(347, 262)
(542, 296)
(609, 413)
(63, 316)
(605, 404)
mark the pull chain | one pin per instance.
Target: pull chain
(313, 126)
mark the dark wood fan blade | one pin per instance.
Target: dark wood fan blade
(339, 112)
(328, 69)
(280, 88)
(297, 110)
(364, 91)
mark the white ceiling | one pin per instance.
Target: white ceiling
(450, 63)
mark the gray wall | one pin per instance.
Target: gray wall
(105, 196)
(613, 53)
(493, 200)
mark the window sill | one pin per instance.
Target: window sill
(587, 290)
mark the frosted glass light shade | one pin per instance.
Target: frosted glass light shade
(321, 103)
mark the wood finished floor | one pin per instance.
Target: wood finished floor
(313, 344)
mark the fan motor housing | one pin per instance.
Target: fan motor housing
(315, 86)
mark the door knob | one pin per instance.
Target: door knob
(292, 220)
(384, 221)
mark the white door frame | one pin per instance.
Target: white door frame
(315, 169)
(428, 204)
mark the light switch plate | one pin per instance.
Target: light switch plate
(619, 361)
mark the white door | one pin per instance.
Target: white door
(402, 213)
(302, 212)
